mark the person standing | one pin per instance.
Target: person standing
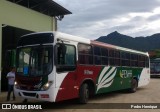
(11, 79)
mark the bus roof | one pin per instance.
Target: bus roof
(71, 37)
(66, 37)
(118, 47)
(93, 42)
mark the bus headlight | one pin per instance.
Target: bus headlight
(47, 85)
(16, 85)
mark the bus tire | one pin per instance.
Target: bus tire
(84, 94)
(134, 85)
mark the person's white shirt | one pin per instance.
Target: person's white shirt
(11, 78)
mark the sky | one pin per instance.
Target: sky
(94, 18)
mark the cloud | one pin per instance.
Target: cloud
(154, 17)
(94, 18)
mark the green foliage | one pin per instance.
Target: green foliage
(157, 53)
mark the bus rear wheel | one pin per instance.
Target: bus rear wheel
(134, 85)
(84, 93)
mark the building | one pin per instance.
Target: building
(19, 17)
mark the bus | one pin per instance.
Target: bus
(155, 67)
(53, 66)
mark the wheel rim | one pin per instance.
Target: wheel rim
(134, 85)
(86, 94)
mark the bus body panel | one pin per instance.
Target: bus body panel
(67, 89)
(106, 78)
(144, 78)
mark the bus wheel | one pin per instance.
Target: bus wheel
(84, 93)
(134, 85)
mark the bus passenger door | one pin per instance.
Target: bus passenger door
(65, 67)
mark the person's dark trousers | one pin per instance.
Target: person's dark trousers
(10, 89)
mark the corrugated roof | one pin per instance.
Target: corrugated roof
(47, 7)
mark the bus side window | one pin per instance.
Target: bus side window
(66, 57)
(61, 54)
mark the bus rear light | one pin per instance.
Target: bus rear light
(44, 95)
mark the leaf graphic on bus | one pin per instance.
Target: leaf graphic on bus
(106, 78)
(102, 73)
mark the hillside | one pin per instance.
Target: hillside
(138, 43)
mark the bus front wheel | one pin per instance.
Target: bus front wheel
(84, 93)
(134, 85)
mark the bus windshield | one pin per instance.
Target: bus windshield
(155, 67)
(35, 60)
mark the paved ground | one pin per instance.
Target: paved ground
(147, 94)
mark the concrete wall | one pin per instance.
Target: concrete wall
(18, 16)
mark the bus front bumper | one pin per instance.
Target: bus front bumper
(35, 95)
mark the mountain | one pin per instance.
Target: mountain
(138, 43)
